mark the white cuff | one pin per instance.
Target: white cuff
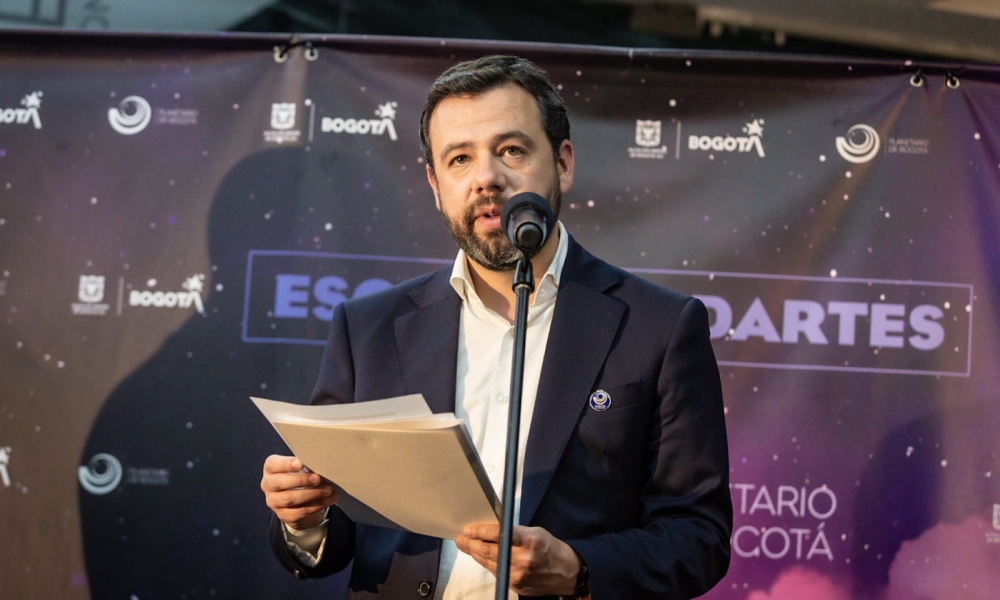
(306, 545)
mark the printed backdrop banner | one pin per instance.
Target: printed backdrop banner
(180, 215)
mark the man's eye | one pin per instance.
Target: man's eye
(513, 151)
(460, 160)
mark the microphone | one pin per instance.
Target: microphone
(527, 219)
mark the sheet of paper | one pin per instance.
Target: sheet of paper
(391, 409)
(397, 464)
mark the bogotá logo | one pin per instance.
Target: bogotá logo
(22, 116)
(859, 145)
(754, 130)
(131, 116)
(101, 475)
(383, 123)
(190, 296)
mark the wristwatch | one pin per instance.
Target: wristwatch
(582, 590)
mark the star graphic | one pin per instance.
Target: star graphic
(755, 127)
(32, 100)
(386, 111)
(194, 283)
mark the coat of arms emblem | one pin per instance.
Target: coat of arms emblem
(647, 133)
(283, 115)
(91, 288)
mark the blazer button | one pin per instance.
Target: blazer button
(299, 574)
(425, 588)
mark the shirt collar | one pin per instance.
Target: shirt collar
(546, 290)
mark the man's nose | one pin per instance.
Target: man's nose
(491, 176)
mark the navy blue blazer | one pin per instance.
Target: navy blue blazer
(640, 491)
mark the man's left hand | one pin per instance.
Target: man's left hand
(540, 564)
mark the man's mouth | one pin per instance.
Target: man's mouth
(489, 216)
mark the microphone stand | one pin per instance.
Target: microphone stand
(524, 285)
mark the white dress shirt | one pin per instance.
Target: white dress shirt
(482, 385)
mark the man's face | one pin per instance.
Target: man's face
(486, 149)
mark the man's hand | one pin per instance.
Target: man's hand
(299, 498)
(540, 564)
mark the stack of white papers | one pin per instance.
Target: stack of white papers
(397, 464)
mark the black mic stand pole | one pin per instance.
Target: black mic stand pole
(524, 285)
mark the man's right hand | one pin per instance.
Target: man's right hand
(299, 498)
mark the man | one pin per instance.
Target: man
(623, 473)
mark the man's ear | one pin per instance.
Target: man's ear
(432, 180)
(565, 162)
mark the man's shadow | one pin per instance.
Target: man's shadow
(193, 524)
(938, 469)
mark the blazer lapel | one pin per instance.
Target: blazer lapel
(427, 339)
(584, 327)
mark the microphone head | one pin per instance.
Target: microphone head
(527, 220)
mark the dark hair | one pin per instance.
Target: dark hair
(474, 77)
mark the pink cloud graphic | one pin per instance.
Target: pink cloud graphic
(947, 562)
(800, 583)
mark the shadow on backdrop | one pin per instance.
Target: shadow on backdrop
(929, 476)
(188, 519)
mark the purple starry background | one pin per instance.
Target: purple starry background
(861, 470)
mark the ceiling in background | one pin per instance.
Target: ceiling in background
(966, 30)
(961, 29)
(127, 15)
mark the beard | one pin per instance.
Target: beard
(491, 249)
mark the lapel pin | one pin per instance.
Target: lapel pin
(600, 401)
